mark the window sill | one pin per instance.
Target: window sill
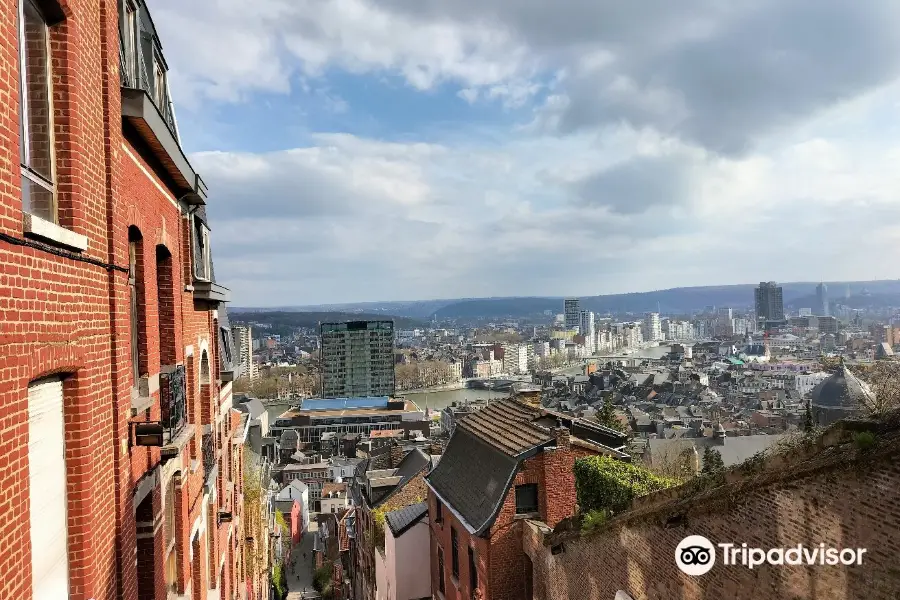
(51, 232)
(529, 515)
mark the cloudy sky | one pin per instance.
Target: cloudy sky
(412, 149)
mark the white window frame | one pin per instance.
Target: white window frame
(131, 26)
(204, 249)
(24, 160)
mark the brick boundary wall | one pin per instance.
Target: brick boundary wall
(833, 492)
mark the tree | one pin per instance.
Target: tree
(712, 461)
(883, 378)
(606, 416)
(675, 460)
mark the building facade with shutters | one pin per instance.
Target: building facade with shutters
(123, 454)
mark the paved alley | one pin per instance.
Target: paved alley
(300, 579)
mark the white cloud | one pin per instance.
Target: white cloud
(358, 219)
(671, 144)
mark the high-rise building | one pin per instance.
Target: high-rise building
(357, 359)
(769, 303)
(822, 309)
(586, 328)
(243, 339)
(652, 328)
(572, 313)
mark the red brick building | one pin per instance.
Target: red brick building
(506, 463)
(121, 454)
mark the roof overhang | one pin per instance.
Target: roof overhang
(141, 112)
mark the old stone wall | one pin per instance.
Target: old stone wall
(841, 495)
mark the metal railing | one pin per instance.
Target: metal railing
(209, 454)
(172, 400)
(142, 74)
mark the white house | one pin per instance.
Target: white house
(295, 491)
(334, 498)
(403, 572)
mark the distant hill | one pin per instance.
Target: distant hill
(290, 320)
(677, 300)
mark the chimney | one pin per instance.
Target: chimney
(562, 437)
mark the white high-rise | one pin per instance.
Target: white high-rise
(572, 313)
(652, 328)
(586, 328)
(243, 339)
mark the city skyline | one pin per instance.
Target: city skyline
(505, 150)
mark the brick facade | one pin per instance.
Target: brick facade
(844, 499)
(65, 311)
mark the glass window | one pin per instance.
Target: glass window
(134, 319)
(36, 114)
(526, 498)
(441, 570)
(473, 571)
(130, 43)
(454, 553)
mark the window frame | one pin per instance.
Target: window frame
(537, 502)
(442, 587)
(473, 571)
(438, 512)
(131, 32)
(25, 168)
(454, 553)
(201, 235)
(134, 317)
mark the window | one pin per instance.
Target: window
(129, 35)
(438, 512)
(134, 287)
(473, 571)
(201, 250)
(159, 84)
(441, 570)
(36, 114)
(454, 553)
(526, 499)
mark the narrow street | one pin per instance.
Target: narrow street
(300, 579)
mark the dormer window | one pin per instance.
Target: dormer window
(130, 43)
(202, 268)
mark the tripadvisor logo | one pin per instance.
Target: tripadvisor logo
(695, 555)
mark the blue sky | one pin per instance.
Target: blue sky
(410, 149)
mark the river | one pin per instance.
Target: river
(441, 399)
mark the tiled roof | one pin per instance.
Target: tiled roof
(472, 478)
(401, 520)
(508, 426)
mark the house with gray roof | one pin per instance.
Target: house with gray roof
(506, 463)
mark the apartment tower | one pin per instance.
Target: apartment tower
(357, 359)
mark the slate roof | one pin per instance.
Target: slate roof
(472, 479)
(401, 520)
(507, 425)
(843, 390)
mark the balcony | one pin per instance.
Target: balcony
(172, 392)
(147, 108)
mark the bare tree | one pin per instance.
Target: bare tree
(675, 460)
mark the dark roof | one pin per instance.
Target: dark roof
(401, 520)
(508, 426)
(472, 479)
(412, 464)
(735, 450)
(842, 391)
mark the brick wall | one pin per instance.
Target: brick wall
(59, 315)
(844, 498)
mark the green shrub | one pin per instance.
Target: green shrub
(594, 519)
(322, 579)
(603, 483)
(278, 582)
(864, 439)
